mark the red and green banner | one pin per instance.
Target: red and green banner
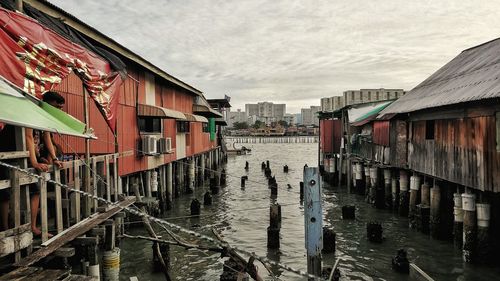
(37, 59)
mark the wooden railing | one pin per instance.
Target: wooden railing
(67, 205)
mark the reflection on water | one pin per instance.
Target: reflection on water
(242, 216)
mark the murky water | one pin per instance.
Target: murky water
(242, 216)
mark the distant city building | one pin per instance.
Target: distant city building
(266, 111)
(310, 115)
(298, 118)
(236, 116)
(359, 96)
(290, 119)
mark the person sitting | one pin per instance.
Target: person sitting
(37, 141)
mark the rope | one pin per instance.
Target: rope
(166, 223)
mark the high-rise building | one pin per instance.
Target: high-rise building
(310, 115)
(236, 116)
(266, 111)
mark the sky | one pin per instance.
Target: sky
(293, 52)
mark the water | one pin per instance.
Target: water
(242, 217)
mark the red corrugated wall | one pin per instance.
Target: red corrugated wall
(381, 133)
(331, 135)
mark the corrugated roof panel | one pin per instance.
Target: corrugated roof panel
(471, 76)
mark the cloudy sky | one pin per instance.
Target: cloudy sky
(293, 52)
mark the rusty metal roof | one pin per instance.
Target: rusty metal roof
(471, 76)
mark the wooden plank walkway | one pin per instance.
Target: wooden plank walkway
(40, 274)
(73, 232)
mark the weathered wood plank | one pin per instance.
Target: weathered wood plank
(20, 273)
(15, 240)
(108, 178)
(43, 209)
(74, 232)
(57, 190)
(13, 155)
(417, 274)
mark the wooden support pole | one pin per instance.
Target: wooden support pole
(387, 189)
(16, 203)
(108, 178)
(43, 207)
(94, 183)
(57, 190)
(191, 175)
(109, 235)
(435, 216)
(117, 183)
(404, 199)
(484, 244)
(76, 206)
(469, 234)
(169, 178)
(313, 220)
(87, 201)
(458, 220)
(147, 184)
(414, 188)
(273, 231)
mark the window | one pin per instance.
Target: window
(429, 129)
(204, 127)
(150, 125)
(182, 127)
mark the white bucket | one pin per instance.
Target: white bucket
(326, 164)
(359, 171)
(458, 214)
(403, 180)
(93, 270)
(483, 214)
(373, 172)
(332, 165)
(367, 171)
(154, 181)
(414, 182)
(468, 202)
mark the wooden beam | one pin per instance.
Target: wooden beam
(73, 232)
(13, 155)
(57, 190)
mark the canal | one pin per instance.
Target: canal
(242, 217)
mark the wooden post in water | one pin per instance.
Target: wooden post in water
(358, 176)
(273, 231)
(368, 184)
(191, 175)
(458, 220)
(435, 216)
(169, 178)
(423, 209)
(469, 242)
(484, 245)
(387, 189)
(395, 193)
(313, 220)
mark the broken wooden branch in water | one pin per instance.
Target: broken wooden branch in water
(176, 243)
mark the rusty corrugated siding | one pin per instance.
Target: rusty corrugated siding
(331, 135)
(381, 133)
(468, 159)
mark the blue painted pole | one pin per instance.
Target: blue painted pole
(313, 220)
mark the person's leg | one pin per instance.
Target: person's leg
(35, 203)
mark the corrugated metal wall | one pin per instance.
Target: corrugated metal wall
(127, 128)
(331, 135)
(462, 151)
(381, 133)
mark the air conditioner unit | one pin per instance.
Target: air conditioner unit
(164, 145)
(149, 145)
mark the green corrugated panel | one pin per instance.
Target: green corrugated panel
(18, 110)
(372, 112)
(211, 128)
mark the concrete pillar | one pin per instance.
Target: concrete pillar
(403, 193)
(147, 184)
(395, 193)
(484, 244)
(191, 174)
(469, 241)
(387, 188)
(360, 184)
(373, 183)
(414, 188)
(368, 185)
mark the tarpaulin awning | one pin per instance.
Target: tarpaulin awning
(364, 113)
(146, 110)
(18, 110)
(206, 111)
(37, 59)
(195, 118)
